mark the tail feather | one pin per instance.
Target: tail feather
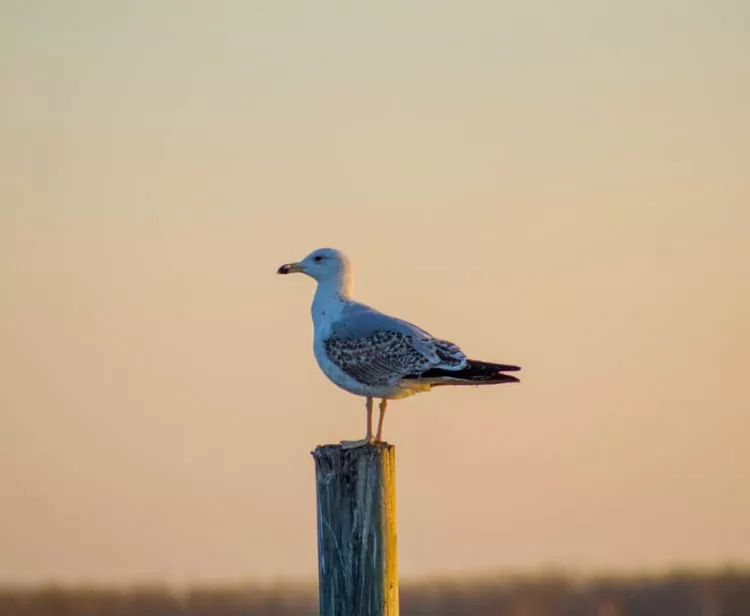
(474, 373)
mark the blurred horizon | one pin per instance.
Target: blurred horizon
(470, 577)
(562, 187)
(726, 592)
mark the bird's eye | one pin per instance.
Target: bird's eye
(317, 259)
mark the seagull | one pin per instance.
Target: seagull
(371, 354)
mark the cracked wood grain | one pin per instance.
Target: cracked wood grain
(357, 564)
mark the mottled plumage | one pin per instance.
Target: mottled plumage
(377, 349)
(384, 357)
(372, 354)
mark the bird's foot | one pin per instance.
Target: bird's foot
(354, 444)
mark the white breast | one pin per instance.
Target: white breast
(326, 309)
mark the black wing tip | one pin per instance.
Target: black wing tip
(506, 378)
(475, 372)
(487, 372)
(487, 365)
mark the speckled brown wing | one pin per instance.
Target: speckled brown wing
(380, 358)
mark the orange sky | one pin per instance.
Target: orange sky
(558, 186)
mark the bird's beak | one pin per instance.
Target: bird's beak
(290, 268)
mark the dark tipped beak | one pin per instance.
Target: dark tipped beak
(289, 268)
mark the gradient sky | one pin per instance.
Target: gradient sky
(559, 185)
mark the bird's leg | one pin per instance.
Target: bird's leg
(381, 407)
(368, 439)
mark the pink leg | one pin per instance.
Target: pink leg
(379, 435)
(368, 438)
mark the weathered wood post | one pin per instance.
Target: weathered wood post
(357, 564)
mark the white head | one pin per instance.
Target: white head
(326, 265)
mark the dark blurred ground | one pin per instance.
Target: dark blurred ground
(723, 593)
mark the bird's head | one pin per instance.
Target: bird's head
(323, 264)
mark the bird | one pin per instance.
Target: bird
(374, 355)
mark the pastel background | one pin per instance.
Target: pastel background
(558, 185)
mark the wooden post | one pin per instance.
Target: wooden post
(357, 565)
